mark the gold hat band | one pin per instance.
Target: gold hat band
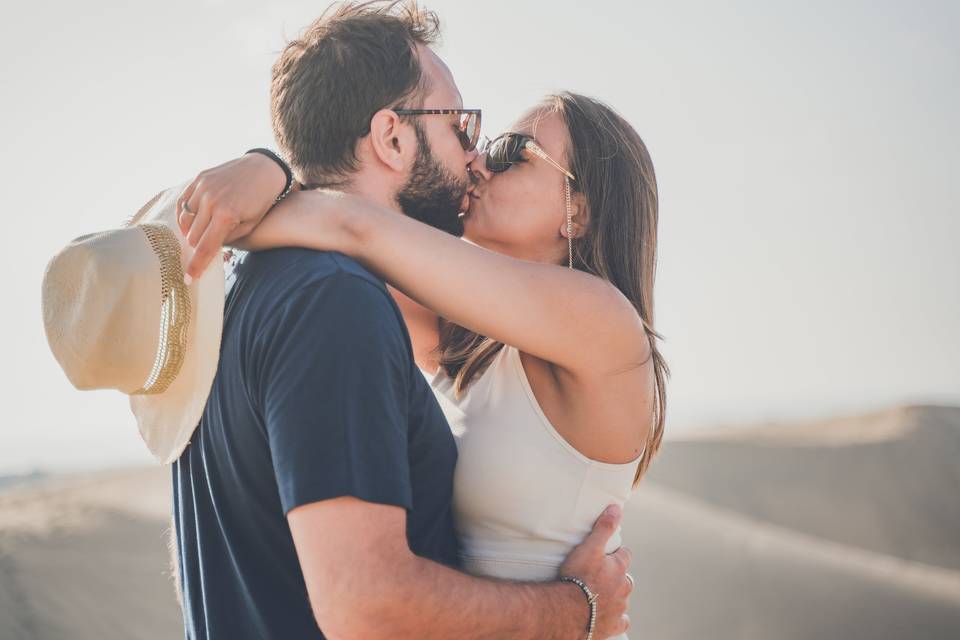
(174, 312)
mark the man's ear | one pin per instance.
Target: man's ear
(581, 215)
(390, 141)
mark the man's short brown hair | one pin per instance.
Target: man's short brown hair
(355, 59)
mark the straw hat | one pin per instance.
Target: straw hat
(118, 316)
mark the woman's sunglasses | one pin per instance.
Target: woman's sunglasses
(507, 149)
(467, 128)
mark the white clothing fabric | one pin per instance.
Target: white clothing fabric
(523, 496)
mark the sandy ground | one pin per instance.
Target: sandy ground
(887, 482)
(86, 557)
(844, 529)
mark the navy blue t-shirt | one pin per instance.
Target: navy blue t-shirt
(317, 396)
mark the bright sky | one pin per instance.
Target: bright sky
(806, 154)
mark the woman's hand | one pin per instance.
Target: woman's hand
(225, 203)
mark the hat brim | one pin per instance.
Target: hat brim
(167, 420)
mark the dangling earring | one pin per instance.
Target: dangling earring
(566, 188)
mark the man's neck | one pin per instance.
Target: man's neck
(372, 187)
(422, 323)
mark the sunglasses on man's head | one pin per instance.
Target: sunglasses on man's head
(507, 149)
(467, 127)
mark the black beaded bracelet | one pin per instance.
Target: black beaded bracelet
(283, 165)
(591, 602)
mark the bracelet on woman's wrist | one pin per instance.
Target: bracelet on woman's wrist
(591, 602)
(283, 165)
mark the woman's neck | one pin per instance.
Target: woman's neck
(424, 328)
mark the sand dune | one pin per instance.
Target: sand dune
(703, 572)
(752, 534)
(888, 482)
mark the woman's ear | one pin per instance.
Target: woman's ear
(391, 142)
(581, 215)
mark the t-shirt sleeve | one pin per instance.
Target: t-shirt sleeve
(334, 371)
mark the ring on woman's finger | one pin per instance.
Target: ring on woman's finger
(186, 210)
(632, 583)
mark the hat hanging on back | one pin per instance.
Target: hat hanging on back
(118, 315)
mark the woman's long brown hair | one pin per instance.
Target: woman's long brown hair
(615, 175)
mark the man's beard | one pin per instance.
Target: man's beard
(431, 194)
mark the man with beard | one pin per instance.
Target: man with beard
(314, 499)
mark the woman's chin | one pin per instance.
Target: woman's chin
(470, 228)
(472, 220)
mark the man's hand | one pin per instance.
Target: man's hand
(226, 203)
(364, 582)
(604, 573)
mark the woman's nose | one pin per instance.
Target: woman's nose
(478, 166)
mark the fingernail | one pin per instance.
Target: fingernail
(187, 279)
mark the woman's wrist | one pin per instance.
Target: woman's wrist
(282, 165)
(355, 221)
(323, 221)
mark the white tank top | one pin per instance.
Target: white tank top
(523, 496)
